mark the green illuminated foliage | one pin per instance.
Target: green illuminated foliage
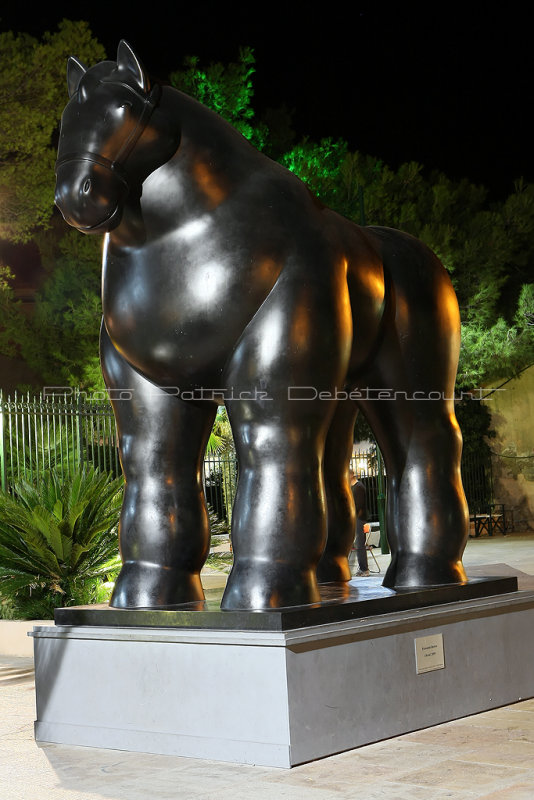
(226, 89)
(500, 350)
(318, 165)
(33, 92)
(59, 341)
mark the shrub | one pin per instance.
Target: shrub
(58, 542)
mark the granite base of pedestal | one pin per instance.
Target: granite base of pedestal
(280, 697)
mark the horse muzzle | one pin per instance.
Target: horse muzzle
(89, 195)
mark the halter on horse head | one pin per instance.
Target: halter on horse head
(110, 107)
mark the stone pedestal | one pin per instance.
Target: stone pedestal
(280, 697)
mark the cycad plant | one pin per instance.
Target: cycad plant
(58, 542)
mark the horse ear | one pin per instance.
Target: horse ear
(75, 72)
(126, 59)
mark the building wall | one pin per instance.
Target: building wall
(512, 415)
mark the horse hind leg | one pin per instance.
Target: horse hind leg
(334, 565)
(414, 422)
(427, 517)
(427, 510)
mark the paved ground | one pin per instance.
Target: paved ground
(489, 756)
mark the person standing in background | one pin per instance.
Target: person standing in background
(360, 501)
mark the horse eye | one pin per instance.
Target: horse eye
(126, 104)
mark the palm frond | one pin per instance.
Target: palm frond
(58, 537)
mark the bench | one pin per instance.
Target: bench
(491, 520)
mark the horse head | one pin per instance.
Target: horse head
(101, 158)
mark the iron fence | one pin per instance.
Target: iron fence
(61, 432)
(368, 465)
(65, 432)
(220, 482)
(477, 479)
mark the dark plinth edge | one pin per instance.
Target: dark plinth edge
(365, 598)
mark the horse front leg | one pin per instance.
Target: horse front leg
(164, 528)
(279, 518)
(283, 377)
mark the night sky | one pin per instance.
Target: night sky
(448, 88)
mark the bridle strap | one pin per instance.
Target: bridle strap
(116, 165)
(149, 104)
(95, 158)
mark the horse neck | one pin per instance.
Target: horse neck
(207, 143)
(189, 161)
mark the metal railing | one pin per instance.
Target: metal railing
(477, 479)
(66, 432)
(220, 483)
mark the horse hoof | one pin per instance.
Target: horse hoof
(333, 569)
(252, 589)
(144, 585)
(417, 570)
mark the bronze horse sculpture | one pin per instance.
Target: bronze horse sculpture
(225, 280)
